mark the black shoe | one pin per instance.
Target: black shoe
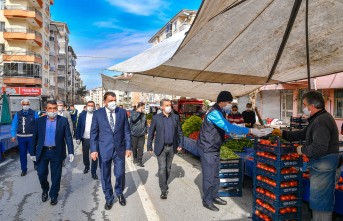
(164, 195)
(140, 164)
(122, 200)
(135, 161)
(219, 201)
(44, 196)
(211, 207)
(95, 177)
(108, 206)
(23, 173)
(53, 201)
(85, 170)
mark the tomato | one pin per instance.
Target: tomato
(282, 211)
(289, 209)
(294, 210)
(283, 198)
(257, 213)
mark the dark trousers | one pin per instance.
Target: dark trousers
(24, 144)
(74, 128)
(119, 173)
(210, 163)
(165, 160)
(137, 147)
(86, 161)
(49, 156)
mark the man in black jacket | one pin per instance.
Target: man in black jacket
(321, 147)
(138, 125)
(168, 140)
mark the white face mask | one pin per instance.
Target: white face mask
(90, 109)
(168, 110)
(59, 108)
(227, 107)
(306, 111)
(234, 112)
(249, 108)
(26, 108)
(111, 105)
(51, 114)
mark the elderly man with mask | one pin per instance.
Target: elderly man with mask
(64, 113)
(23, 125)
(211, 137)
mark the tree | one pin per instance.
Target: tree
(81, 93)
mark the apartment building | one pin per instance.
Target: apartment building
(54, 59)
(71, 90)
(179, 22)
(63, 60)
(24, 45)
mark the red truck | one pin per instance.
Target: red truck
(188, 107)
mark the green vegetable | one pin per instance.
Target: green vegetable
(226, 153)
(239, 144)
(191, 125)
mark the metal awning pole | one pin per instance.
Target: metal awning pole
(307, 48)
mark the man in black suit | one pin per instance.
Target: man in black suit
(168, 140)
(49, 140)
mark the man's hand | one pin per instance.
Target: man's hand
(78, 142)
(71, 157)
(128, 153)
(299, 149)
(94, 156)
(13, 139)
(261, 132)
(179, 149)
(33, 158)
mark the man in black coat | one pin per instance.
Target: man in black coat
(168, 140)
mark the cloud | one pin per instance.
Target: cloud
(140, 7)
(112, 24)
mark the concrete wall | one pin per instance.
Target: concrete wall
(269, 104)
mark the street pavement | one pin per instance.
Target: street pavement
(81, 197)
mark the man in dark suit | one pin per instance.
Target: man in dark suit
(83, 134)
(110, 140)
(168, 140)
(50, 137)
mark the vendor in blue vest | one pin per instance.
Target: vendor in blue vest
(23, 125)
(211, 137)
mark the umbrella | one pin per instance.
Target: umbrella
(5, 113)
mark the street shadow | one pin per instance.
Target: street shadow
(130, 183)
(176, 172)
(198, 183)
(147, 156)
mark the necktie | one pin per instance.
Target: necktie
(112, 122)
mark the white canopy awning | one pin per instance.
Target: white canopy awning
(148, 84)
(234, 41)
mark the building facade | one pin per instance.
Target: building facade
(54, 59)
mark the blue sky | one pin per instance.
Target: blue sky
(118, 29)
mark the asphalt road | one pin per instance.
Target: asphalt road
(81, 197)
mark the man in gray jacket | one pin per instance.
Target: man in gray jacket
(138, 125)
(321, 147)
(64, 113)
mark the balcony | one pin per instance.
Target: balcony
(51, 2)
(22, 74)
(21, 34)
(61, 67)
(31, 14)
(37, 3)
(14, 56)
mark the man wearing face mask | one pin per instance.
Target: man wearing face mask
(168, 140)
(249, 116)
(110, 140)
(64, 113)
(235, 117)
(83, 135)
(23, 125)
(51, 134)
(321, 147)
(211, 137)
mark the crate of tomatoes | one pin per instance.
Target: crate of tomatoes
(277, 180)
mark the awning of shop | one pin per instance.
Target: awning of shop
(148, 84)
(236, 42)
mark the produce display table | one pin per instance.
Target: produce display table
(5, 139)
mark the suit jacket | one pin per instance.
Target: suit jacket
(67, 115)
(157, 126)
(62, 137)
(81, 125)
(106, 142)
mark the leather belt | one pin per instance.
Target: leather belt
(50, 147)
(168, 145)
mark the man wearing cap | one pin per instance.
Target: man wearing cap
(23, 126)
(211, 138)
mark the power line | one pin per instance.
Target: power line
(96, 57)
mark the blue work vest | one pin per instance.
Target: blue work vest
(26, 122)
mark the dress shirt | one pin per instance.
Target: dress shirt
(88, 124)
(168, 129)
(113, 114)
(50, 132)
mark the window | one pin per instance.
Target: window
(2, 4)
(21, 70)
(286, 104)
(338, 111)
(2, 48)
(2, 26)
